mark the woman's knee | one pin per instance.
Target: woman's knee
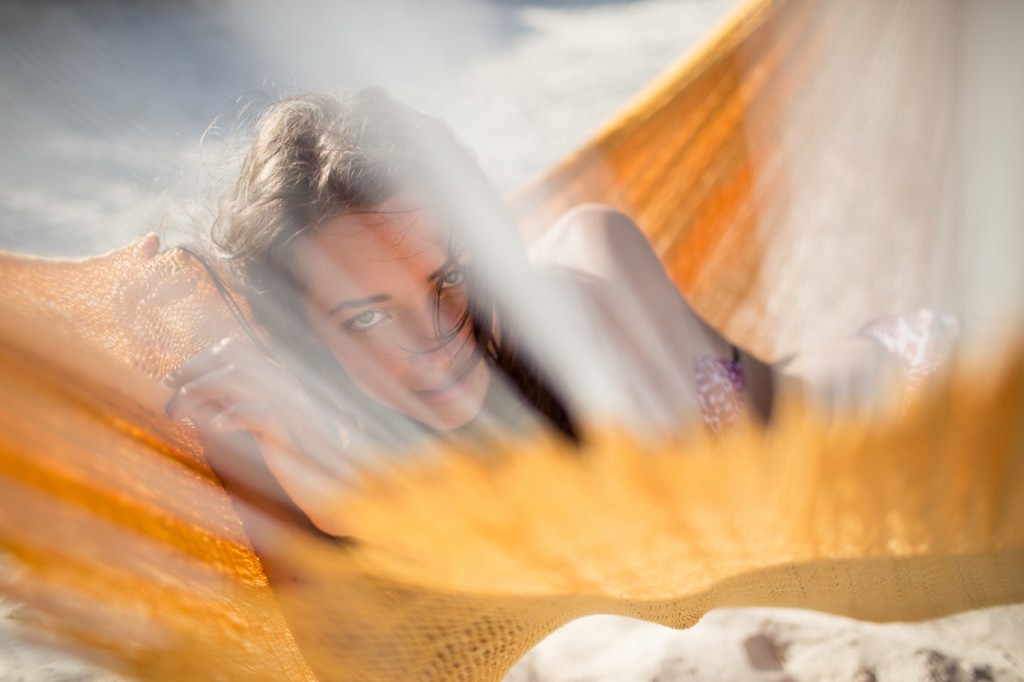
(594, 238)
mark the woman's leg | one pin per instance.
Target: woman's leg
(636, 304)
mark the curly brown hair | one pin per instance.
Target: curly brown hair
(314, 158)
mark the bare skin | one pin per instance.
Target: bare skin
(619, 274)
(623, 279)
(371, 282)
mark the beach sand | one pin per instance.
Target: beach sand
(777, 645)
(105, 103)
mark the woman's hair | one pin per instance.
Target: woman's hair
(314, 158)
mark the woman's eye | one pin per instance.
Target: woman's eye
(364, 320)
(453, 277)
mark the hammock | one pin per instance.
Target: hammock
(120, 535)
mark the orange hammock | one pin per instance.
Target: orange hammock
(120, 535)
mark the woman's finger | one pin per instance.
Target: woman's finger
(226, 351)
(232, 376)
(260, 419)
(215, 386)
(201, 363)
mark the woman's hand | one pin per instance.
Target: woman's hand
(855, 375)
(231, 388)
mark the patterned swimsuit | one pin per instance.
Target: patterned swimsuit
(921, 340)
(720, 390)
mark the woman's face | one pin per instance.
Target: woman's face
(371, 294)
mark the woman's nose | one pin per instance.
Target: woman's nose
(424, 336)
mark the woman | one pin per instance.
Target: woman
(347, 232)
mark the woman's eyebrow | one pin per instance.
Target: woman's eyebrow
(358, 303)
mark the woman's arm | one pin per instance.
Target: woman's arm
(854, 374)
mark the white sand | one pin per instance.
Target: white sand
(772, 645)
(104, 104)
(23, 660)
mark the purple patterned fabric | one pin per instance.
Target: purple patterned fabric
(720, 387)
(922, 340)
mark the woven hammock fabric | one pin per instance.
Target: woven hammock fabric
(462, 565)
(804, 142)
(120, 535)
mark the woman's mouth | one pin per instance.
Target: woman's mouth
(451, 389)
